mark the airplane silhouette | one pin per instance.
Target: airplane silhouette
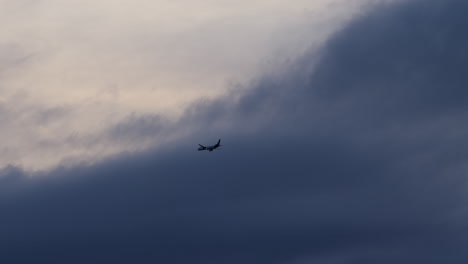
(210, 148)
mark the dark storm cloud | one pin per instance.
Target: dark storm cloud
(361, 160)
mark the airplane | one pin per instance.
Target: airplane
(210, 148)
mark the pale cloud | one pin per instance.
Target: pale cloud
(72, 70)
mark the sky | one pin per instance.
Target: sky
(71, 71)
(342, 125)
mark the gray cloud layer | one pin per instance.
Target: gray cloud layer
(357, 159)
(100, 62)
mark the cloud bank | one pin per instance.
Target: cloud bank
(352, 155)
(101, 63)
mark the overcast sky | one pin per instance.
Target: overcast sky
(72, 70)
(343, 125)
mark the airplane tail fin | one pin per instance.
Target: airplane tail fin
(219, 141)
(201, 146)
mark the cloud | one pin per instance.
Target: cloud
(356, 155)
(106, 61)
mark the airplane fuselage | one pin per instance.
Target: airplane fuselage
(210, 148)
